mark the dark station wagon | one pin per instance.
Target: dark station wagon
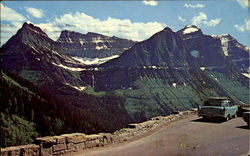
(217, 107)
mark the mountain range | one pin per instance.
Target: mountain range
(92, 45)
(168, 72)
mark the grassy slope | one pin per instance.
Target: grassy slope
(151, 96)
(238, 92)
(36, 77)
(154, 97)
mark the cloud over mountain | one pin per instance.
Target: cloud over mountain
(202, 19)
(111, 26)
(8, 14)
(243, 27)
(37, 13)
(194, 6)
(150, 2)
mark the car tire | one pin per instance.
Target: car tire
(204, 118)
(235, 116)
(227, 118)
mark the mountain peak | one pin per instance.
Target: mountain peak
(92, 33)
(225, 36)
(167, 28)
(72, 36)
(191, 26)
(69, 32)
(67, 36)
(30, 26)
(190, 29)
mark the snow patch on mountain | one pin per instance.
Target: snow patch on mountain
(190, 29)
(81, 41)
(69, 40)
(224, 42)
(246, 75)
(214, 77)
(202, 68)
(174, 85)
(39, 52)
(80, 88)
(35, 31)
(242, 47)
(68, 68)
(93, 61)
(101, 47)
(96, 40)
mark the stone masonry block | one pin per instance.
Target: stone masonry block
(59, 147)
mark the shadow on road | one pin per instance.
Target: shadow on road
(207, 120)
(244, 127)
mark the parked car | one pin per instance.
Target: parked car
(246, 116)
(217, 107)
(242, 108)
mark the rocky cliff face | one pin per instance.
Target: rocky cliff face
(31, 54)
(164, 49)
(172, 70)
(215, 52)
(92, 45)
(182, 51)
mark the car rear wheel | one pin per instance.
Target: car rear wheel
(235, 116)
(227, 118)
(205, 118)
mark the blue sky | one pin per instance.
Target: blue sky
(136, 20)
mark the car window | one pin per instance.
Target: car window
(225, 103)
(212, 103)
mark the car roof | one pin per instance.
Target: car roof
(217, 98)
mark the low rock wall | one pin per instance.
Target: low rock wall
(59, 145)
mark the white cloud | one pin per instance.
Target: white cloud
(51, 29)
(7, 30)
(240, 28)
(248, 25)
(194, 6)
(8, 14)
(14, 18)
(212, 23)
(111, 26)
(83, 23)
(243, 3)
(150, 2)
(243, 27)
(37, 13)
(202, 19)
(197, 20)
(181, 19)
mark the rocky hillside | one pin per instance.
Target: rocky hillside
(91, 45)
(169, 71)
(173, 71)
(214, 52)
(32, 55)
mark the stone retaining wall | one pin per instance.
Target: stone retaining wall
(59, 145)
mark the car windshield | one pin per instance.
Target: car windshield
(216, 103)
